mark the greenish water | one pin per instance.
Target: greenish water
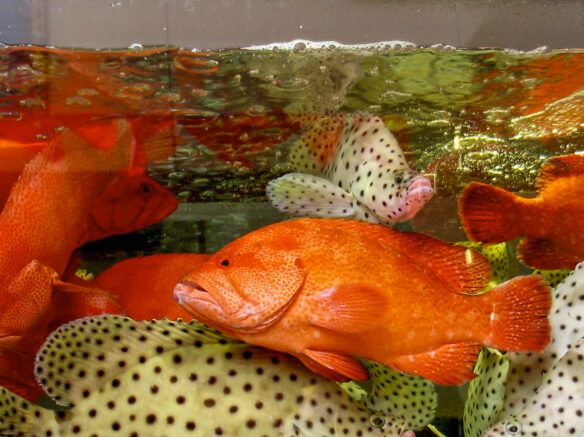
(485, 115)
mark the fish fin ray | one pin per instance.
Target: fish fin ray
(333, 365)
(349, 308)
(465, 270)
(450, 364)
(543, 254)
(489, 213)
(302, 194)
(317, 146)
(18, 415)
(519, 321)
(559, 167)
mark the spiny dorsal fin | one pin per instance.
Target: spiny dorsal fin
(559, 167)
(67, 363)
(465, 270)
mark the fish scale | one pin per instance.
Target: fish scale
(165, 378)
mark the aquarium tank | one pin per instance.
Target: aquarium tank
(134, 129)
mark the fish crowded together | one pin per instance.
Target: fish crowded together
(267, 336)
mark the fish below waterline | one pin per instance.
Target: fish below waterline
(329, 290)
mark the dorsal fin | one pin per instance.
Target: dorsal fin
(559, 167)
(464, 270)
(74, 356)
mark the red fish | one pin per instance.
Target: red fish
(61, 197)
(330, 290)
(144, 285)
(552, 222)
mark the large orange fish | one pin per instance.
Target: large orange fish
(330, 290)
(143, 285)
(67, 195)
(552, 222)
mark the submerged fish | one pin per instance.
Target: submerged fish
(552, 222)
(67, 195)
(526, 372)
(144, 285)
(157, 378)
(329, 290)
(557, 407)
(350, 165)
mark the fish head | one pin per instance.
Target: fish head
(392, 194)
(129, 203)
(244, 287)
(510, 427)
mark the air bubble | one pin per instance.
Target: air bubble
(135, 91)
(77, 101)
(293, 83)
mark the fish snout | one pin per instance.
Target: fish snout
(420, 190)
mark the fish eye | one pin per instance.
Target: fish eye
(145, 188)
(225, 262)
(377, 421)
(399, 179)
(513, 428)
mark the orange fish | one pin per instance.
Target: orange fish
(552, 222)
(144, 285)
(330, 290)
(66, 196)
(17, 363)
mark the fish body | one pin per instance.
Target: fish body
(63, 194)
(350, 165)
(144, 285)
(551, 222)
(556, 407)
(328, 290)
(164, 378)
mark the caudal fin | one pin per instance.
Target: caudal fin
(519, 320)
(487, 213)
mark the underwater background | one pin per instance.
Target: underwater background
(491, 115)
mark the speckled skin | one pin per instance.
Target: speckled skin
(276, 287)
(51, 211)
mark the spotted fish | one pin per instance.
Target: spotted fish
(162, 378)
(556, 408)
(526, 370)
(350, 165)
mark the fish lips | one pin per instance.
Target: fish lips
(193, 298)
(419, 192)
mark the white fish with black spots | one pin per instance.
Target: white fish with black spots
(556, 408)
(350, 165)
(165, 378)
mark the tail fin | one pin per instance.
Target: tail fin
(519, 320)
(487, 213)
(20, 417)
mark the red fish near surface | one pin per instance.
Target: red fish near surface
(67, 195)
(552, 222)
(331, 290)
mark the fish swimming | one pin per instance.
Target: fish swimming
(551, 223)
(525, 371)
(329, 290)
(61, 197)
(350, 165)
(157, 378)
(144, 285)
(556, 408)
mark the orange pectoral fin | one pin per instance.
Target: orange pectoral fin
(559, 167)
(542, 254)
(450, 364)
(348, 308)
(333, 366)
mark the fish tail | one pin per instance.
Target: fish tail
(519, 320)
(489, 214)
(19, 417)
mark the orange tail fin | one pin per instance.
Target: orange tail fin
(519, 321)
(488, 213)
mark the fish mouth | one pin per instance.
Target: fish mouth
(191, 295)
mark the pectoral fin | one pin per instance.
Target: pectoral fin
(301, 194)
(348, 308)
(333, 366)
